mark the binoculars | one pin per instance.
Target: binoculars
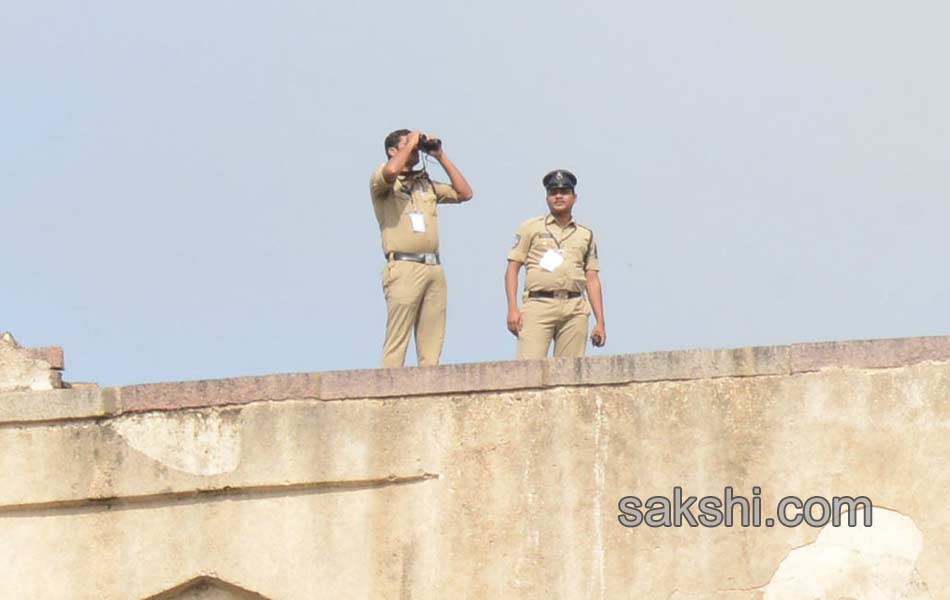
(429, 145)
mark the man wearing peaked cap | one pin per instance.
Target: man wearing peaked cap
(559, 179)
(560, 260)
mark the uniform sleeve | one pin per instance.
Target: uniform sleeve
(519, 252)
(378, 187)
(591, 262)
(445, 193)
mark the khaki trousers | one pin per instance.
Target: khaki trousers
(415, 303)
(544, 319)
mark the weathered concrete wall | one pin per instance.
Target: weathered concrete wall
(492, 480)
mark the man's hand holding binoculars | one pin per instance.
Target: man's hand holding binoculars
(430, 145)
(416, 140)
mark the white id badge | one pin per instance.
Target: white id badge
(418, 222)
(551, 260)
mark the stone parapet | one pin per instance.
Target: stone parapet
(679, 365)
(868, 354)
(488, 480)
(485, 480)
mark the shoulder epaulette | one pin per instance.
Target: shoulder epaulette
(590, 241)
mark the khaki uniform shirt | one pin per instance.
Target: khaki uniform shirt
(575, 243)
(393, 203)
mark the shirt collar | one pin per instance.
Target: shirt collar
(414, 175)
(548, 220)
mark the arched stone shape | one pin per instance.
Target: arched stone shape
(207, 588)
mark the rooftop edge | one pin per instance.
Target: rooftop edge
(680, 365)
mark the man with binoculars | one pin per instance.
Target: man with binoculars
(404, 201)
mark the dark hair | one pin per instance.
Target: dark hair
(392, 140)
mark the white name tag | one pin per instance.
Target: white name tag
(418, 222)
(551, 260)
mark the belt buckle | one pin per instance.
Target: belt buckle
(430, 259)
(560, 294)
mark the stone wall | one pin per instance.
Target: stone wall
(488, 480)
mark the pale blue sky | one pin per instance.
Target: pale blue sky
(184, 185)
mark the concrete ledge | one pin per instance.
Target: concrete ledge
(216, 392)
(473, 377)
(54, 405)
(187, 491)
(667, 366)
(447, 379)
(869, 354)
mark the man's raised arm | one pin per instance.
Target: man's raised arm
(461, 187)
(398, 161)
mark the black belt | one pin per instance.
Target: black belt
(428, 258)
(561, 294)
